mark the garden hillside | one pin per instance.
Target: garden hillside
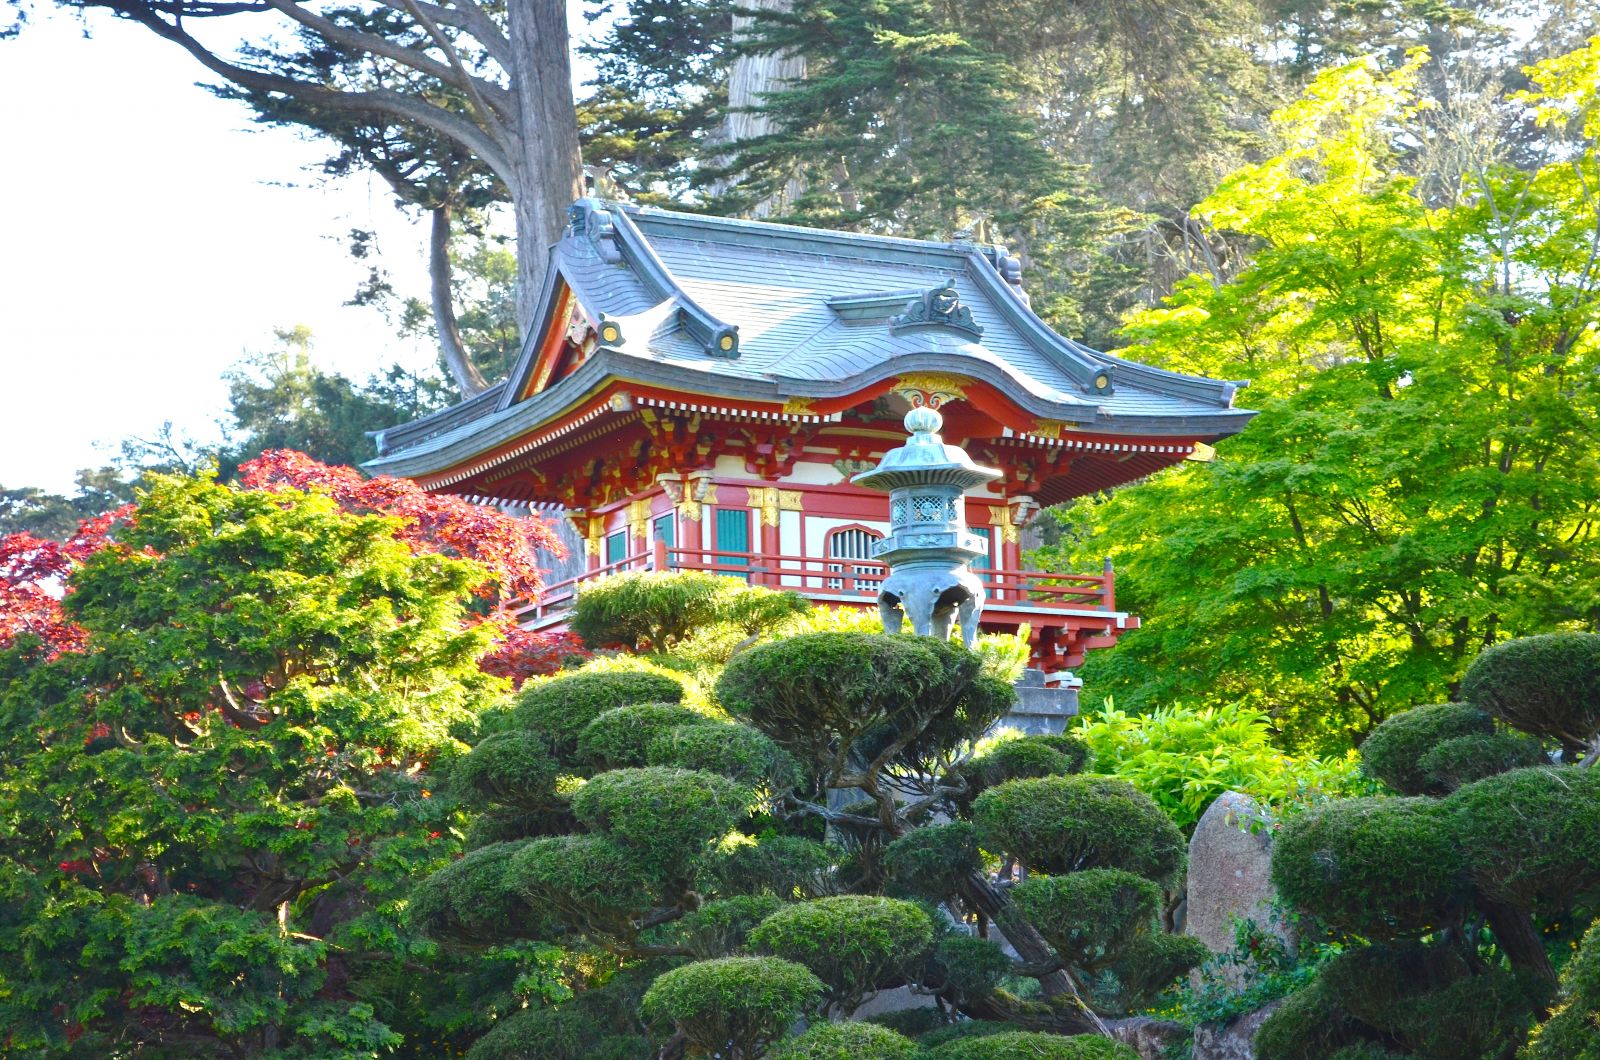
(280, 778)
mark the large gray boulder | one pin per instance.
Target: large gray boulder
(1230, 860)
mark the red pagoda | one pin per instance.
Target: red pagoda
(698, 391)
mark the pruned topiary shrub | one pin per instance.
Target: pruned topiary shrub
(513, 767)
(738, 752)
(719, 928)
(1146, 966)
(619, 737)
(846, 1041)
(591, 883)
(1573, 1032)
(930, 862)
(1090, 916)
(1547, 685)
(1308, 1025)
(561, 708)
(562, 1033)
(965, 968)
(733, 1007)
(1393, 751)
(667, 816)
(819, 692)
(1465, 759)
(1532, 836)
(1066, 824)
(852, 942)
(1026, 1045)
(1381, 867)
(473, 900)
(654, 610)
(1022, 758)
(790, 867)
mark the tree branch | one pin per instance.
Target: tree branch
(380, 101)
(468, 379)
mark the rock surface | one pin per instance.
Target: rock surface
(1229, 867)
(1234, 1040)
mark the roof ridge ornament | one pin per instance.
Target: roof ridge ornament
(936, 307)
(589, 219)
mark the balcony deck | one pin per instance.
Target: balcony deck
(1066, 614)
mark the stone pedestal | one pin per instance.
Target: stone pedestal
(1043, 707)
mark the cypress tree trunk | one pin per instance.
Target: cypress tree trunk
(1513, 930)
(549, 169)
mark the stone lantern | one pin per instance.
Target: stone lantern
(929, 549)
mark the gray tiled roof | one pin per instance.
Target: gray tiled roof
(677, 284)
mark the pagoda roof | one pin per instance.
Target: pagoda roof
(762, 314)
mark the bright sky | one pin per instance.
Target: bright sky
(152, 236)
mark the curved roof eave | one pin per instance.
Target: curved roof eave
(475, 437)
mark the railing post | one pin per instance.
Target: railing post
(1110, 593)
(658, 557)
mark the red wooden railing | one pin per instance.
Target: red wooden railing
(845, 581)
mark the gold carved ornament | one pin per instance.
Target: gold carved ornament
(1000, 516)
(932, 389)
(770, 500)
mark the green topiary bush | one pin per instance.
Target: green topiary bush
(962, 1031)
(618, 738)
(815, 692)
(1531, 836)
(1089, 916)
(852, 942)
(1066, 824)
(737, 752)
(562, 1033)
(666, 815)
(1393, 751)
(1464, 759)
(1308, 1025)
(719, 928)
(1573, 1033)
(733, 1006)
(966, 969)
(1382, 867)
(561, 708)
(1547, 685)
(514, 768)
(788, 866)
(930, 861)
(846, 1041)
(1025, 1045)
(655, 610)
(1020, 759)
(1145, 967)
(473, 900)
(587, 881)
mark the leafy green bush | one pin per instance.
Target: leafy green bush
(562, 1033)
(732, 1006)
(1066, 824)
(1465, 759)
(513, 767)
(666, 815)
(738, 752)
(966, 968)
(1145, 967)
(852, 942)
(618, 738)
(562, 707)
(589, 882)
(1089, 916)
(719, 928)
(1380, 867)
(1309, 1025)
(917, 697)
(1025, 1045)
(1020, 758)
(655, 610)
(472, 899)
(846, 1041)
(788, 866)
(1547, 685)
(930, 861)
(1573, 1032)
(1184, 758)
(1531, 836)
(1393, 751)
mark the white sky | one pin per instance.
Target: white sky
(151, 235)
